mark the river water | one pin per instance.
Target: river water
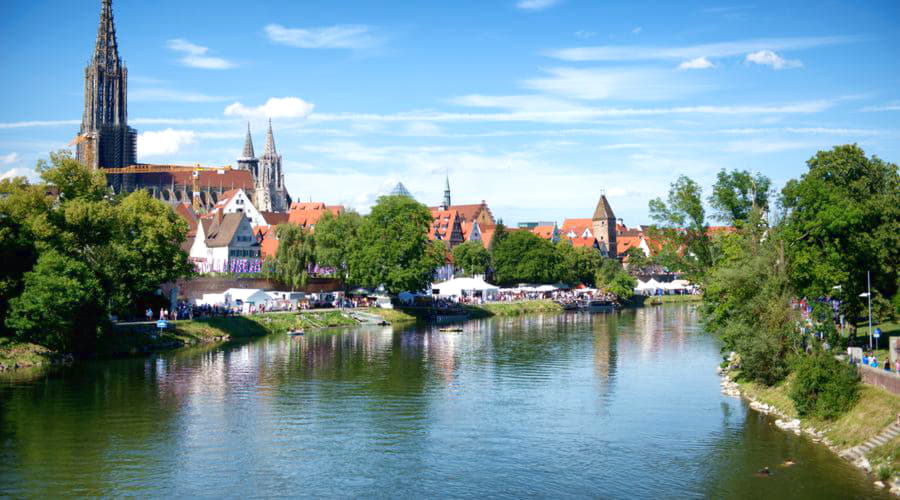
(625, 405)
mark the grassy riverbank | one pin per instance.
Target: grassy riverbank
(133, 339)
(672, 299)
(22, 355)
(875, 410)
(474, 311)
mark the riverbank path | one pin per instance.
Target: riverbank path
(885, 436)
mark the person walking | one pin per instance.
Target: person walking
(149, 314)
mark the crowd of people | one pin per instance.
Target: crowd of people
(871, 359)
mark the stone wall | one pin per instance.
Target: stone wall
(888, 381)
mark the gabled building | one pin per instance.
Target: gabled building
(237, 201)
(225, 243)
(307, 214)
(580, 233)
(547, 232)
(604, 225)
(446, 227)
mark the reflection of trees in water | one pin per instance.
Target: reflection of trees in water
(62, 432)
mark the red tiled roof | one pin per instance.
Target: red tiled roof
(227, 179)
(308, 214)
(442, 224)
(626, 242)
(487, 234)
(545, 232)
(187, 213)
(275, 218)
(579, 242)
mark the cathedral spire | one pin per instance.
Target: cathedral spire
(270, 141)
(248, 144)
(106, 51)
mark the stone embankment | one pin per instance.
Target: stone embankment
(856, 455)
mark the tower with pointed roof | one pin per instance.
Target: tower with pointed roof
(248, 160)
(604, 225)
(269, 195)
(105, 139)
(446, 204)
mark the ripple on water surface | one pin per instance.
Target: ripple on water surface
(621, 405)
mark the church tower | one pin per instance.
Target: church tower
(105, 139)
(446, 204)
(269, 191)
(604, 226)
(248, 160)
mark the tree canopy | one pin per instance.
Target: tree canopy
(392, 247)
(523, 257)
(842, 218)
(471, 258)
(335, 239)
(735, 194)
(681, 223)
(84, 251)
(295, 257)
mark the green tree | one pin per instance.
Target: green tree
(295, 256)
(681, 222)
(117, 248)
(393, 249)
(472, 258)
(61, 306)
(613, 278)
(577, 265)
(523, 257)
(824, 386)
(638, 261)
(335, 240)
(842, 218)
(737, 193)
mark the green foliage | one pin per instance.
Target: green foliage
(737, 193)
(392, 247)
(335, 237)
(472, 258)
(824, 387)
(82, 256)
(613, 278)
(842, 219)
(60, 305)
(681, 226)
(637, 260)
(295, 257)
(577, 265)
(523, 257)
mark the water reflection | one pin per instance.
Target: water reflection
(616, 405)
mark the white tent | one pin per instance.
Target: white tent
(545, 288)
(457, 286)
(650, 284)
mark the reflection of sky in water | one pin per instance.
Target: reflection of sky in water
(617, 405)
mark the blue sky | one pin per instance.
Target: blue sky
(536, 106)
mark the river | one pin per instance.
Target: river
(625, 405)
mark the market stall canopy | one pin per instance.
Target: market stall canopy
(457, 286)
(650, 284)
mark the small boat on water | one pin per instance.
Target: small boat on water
(295, 333)
(598, 306)
(451, 329)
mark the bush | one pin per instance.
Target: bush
(824, 386)
(763, 357)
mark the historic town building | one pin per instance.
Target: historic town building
(105, 139)
(604, 225)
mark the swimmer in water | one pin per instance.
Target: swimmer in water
(787, 463)
(764, 472)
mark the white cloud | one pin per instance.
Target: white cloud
(423, 129)
(169, 95)
(584, 35)
(534, 102)
(891, 106)
(275, 107)
(9, 159)
(639, 84)
(164, 142)
(637, 31)
(195, 56)
(697, 63)
(769, 58)
(18, 172)
(536, 5)
(759, 146)
(39, 123)
(342, 36)
(722, 49)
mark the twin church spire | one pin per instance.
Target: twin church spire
(270, 194)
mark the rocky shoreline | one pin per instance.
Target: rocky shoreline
(784, 422)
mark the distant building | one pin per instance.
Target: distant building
(604, 225)
(400, 190)
(580, 233)
(226, 243)
(547, 231)
(307, 215)
(105, 140)
(446, 227)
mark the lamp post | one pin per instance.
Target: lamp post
(868, 295)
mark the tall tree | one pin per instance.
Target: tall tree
(335, 240)
(736, 193)
(681, 221)
(471, 258)
(610, 276)
(295, 256)
(577, 265)
(393, 247)
(842, 219)
(523, 257)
